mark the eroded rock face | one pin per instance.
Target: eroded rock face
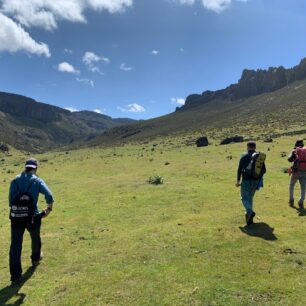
(202, 142)
(251, 83)
(232, 140)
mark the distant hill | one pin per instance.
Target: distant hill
(263, 102)
(34, 126)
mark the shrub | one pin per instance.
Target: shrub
(156, 180)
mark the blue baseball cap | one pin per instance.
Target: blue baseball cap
(31, 163)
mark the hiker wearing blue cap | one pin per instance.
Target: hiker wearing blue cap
(24, 214)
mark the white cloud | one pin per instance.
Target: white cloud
(189, 2)
(86, 81)
(124, 67)
(46, 13)
(66, 67)
(68, 51)
(95, 69)
(90, 59)
(71, 109)
(98, 111)
(132, 108)
(112, 6)
(178, 101)
(14, 38)
(155, 52)
(214, 5)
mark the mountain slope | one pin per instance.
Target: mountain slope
(33, 126)
(266, 114)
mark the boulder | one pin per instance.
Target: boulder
(4, 147)
(202, 142)
(268, 139)
(232, 140)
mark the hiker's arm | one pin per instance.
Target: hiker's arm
(43, 188)
(239, 172)
(12, 192)
(292, 157)
(264, 169)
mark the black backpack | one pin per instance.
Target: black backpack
(22, 209)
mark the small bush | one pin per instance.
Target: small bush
(156, 180)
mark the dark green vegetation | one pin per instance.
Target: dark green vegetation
(114, 239)
(27, 124)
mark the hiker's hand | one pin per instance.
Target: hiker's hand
(238, 184)
(48, 210)
(46, 213)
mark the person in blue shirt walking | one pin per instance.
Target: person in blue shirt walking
(27, 182)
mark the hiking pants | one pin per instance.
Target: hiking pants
(16, 246)
(301, 177)
(248, 189)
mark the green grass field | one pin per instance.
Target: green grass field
(114, 239)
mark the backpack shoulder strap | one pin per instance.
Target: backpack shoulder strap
(16, 184)
(30, 185)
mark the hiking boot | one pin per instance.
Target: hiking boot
(249, 218)
(291, 203)
(301, 205)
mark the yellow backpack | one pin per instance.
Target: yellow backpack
(255, 168)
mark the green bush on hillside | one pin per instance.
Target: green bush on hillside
(156, 180)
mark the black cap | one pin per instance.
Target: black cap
(299, 143)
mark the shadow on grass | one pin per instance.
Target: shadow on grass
(261, 230)
(9, 292)
(301, 212)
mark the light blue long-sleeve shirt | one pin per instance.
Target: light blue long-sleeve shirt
(21, 184)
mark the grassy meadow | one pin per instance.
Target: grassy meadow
(114, 239)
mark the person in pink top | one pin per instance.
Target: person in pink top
(298, 172)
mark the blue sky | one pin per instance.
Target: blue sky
(141, 58)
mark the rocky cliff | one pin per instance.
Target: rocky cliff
(251, 83)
